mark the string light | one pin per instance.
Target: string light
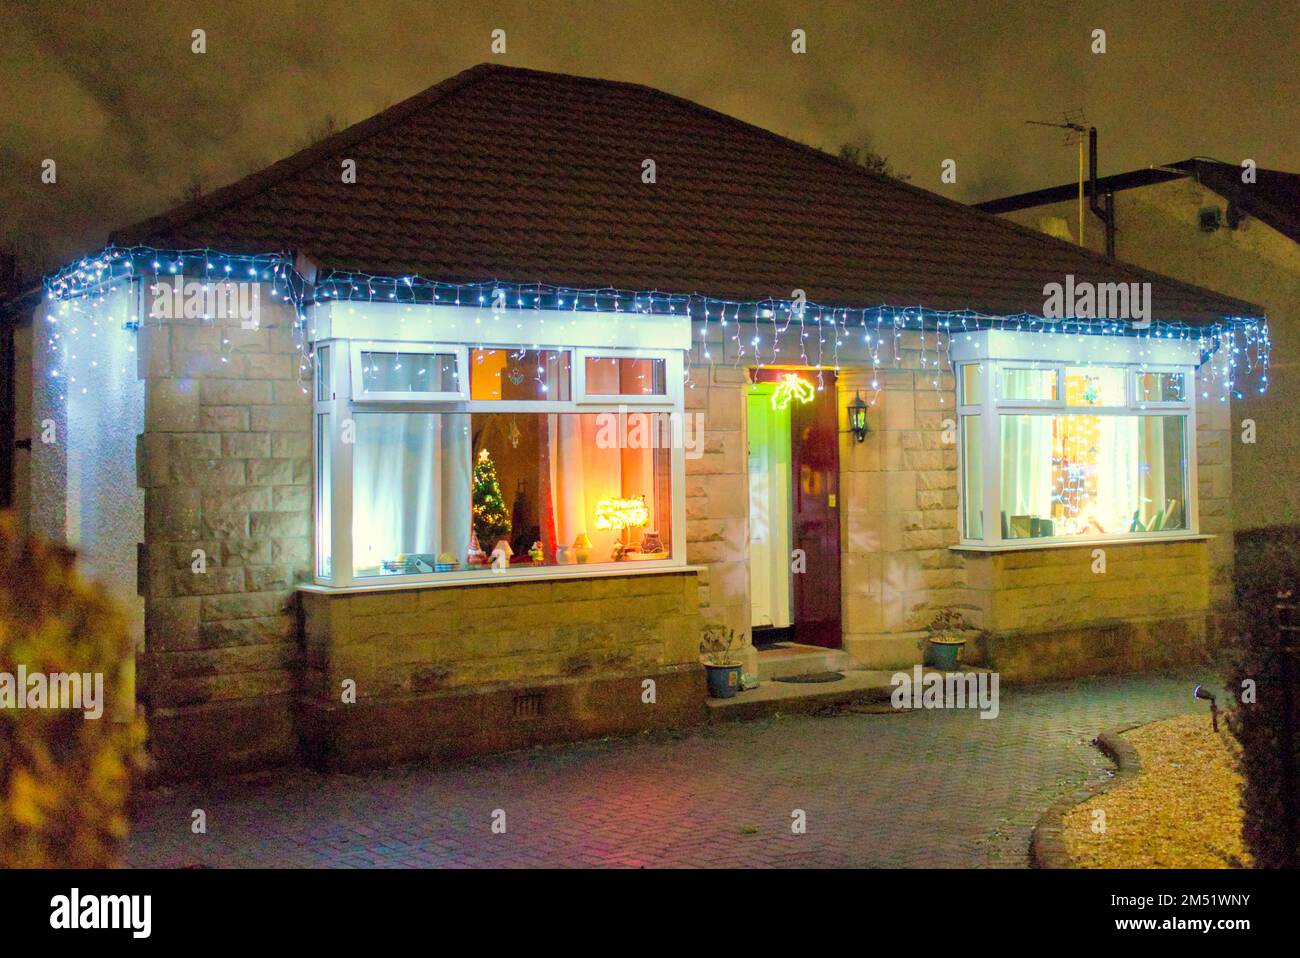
(1233, 351)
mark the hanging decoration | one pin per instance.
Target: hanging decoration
(1233, 353)
(791, 387)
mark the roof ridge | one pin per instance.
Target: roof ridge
(268, 176)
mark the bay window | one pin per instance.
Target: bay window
(1054, 450)
(446, 461)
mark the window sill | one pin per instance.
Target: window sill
(1080, 543)
(451, 580)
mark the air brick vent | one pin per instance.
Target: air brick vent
(528, 705)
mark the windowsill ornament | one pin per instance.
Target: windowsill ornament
(501, 553)
(476, 556)
(582, 547)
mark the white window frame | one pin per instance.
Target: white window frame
(1189, 389)
(458, 350)
(581, 395)
(341, 405)
(987, 350)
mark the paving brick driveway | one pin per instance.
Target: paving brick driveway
(932, 788)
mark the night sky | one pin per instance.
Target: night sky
(132, 117)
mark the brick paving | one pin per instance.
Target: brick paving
(926, 788)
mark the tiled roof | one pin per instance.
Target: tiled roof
(524, 176)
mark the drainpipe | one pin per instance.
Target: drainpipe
(8, 288)
(1104, 213)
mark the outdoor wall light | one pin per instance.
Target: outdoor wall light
(858, 417)
(1201, 692)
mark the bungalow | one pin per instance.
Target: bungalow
(419, 502)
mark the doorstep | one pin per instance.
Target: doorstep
(771, 698)
(790, 658)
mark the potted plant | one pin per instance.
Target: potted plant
(718, 647)
(946, 639)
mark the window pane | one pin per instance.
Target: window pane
(519, 374)
(323, 374)
(1037, 385)
(408, 372)
(324, 526)
(623, 376)
(972, 384)
(1092, 475)
(548, 489)
(1095, 386)
(1161, 387)
(973, 477)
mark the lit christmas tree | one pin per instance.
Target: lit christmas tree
(491, 521)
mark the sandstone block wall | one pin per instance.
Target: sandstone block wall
(225, 464)
(412, 641)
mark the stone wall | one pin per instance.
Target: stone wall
(900, 509)
(455, 670)
(225, 464)
(717, 498)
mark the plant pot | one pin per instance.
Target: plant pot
(724, 680)
(943, 655)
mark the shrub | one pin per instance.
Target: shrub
(63, 778)
(1263, 567)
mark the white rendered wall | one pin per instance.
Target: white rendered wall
(83, 483)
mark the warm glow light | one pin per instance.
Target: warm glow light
(615, 513)
(792, 386)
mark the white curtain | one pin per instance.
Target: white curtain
(1117, 473)
(1026, 466)
(411, 486)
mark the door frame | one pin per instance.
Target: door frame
(829, 625)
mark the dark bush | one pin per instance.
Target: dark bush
(1265, 564)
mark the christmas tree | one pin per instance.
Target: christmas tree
(491, 522)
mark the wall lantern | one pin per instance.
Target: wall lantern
(858, 417)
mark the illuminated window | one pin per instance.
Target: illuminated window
(1078, 475)
(442, 455)
(553, 489)
(1074, 451)
(407, 372)
(625, 376)
(520, 375)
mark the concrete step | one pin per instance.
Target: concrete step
(859, 686)
(772, 698)
(800, 660)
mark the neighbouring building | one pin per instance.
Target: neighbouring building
(1232, 228)
(450, 432)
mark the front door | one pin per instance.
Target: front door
(815, 471)
(794, 507)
